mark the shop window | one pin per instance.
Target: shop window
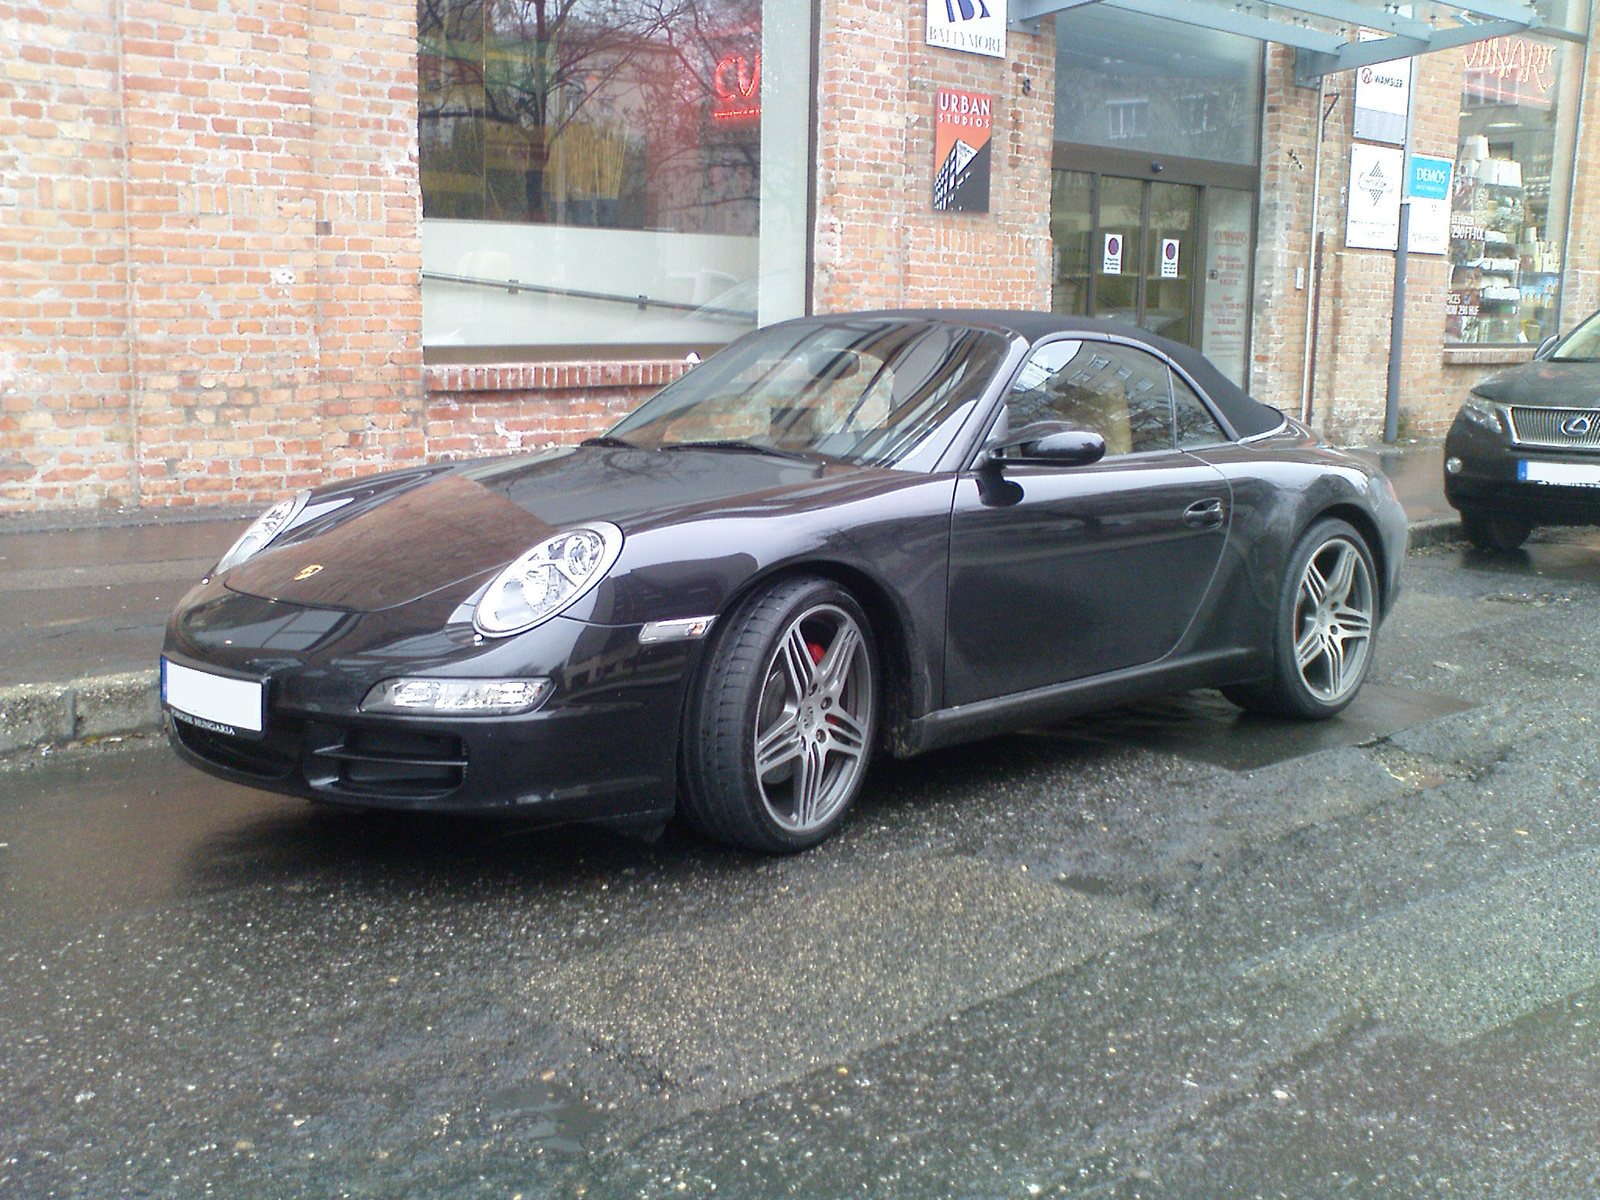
(1509, 207)
(596, 173)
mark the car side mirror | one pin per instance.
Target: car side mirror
(1546, 346)
(1053, 442)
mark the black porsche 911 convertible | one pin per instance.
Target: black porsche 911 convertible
(879, 531)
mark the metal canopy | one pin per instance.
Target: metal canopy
(1324, 33)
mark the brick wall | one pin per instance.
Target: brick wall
(209, 245)
(1354, 325)
(1354, 314)
(64, 342)
(515, 407)
(878, 240)
(213, 214)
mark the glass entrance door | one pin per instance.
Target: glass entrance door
(1132, 250)
(1172, 211)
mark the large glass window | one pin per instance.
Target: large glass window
(1508, 213)
(1132, 82)
(605, 172)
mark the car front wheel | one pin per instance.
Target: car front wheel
(1322, 638)
(781, 733)
(1489, 529)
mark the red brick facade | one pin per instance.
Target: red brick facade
(209, 249)
(210, 245)
(529, 406)
(1355, 313)
(878, 241)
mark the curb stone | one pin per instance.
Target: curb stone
(33, 715)
(53, 714)
(1440, 531)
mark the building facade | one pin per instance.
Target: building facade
(249, 247)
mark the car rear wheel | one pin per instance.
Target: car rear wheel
(1489, 529)
(1322, 638)
(781, 733)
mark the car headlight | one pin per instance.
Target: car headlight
(261, 532)
(457, 697)
(1481, 411)
(548, 578)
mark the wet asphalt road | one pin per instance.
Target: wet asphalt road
(1147, 956)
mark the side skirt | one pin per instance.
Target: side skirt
(985, 718)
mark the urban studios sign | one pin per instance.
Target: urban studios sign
(975, 26)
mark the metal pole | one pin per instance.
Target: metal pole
(1397, 328)
(1313, 264)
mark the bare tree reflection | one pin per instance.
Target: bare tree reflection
(635, 114)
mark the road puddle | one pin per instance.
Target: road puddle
(1202, 725)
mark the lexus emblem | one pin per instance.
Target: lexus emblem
(308, 572)
(1577, 426)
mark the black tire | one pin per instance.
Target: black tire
(1324, 629)
(1494, 531)
(781, 730)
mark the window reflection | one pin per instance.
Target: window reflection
(592, 170)
(639, 114)
(1116, 391)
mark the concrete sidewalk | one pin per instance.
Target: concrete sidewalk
(82, 607)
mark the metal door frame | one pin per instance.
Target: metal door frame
(1098, 162)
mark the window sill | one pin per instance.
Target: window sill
(1487, 356)
(550, 376)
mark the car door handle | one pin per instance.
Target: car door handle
(1204, 514)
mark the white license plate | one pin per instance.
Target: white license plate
(213, 702)
(1566, 474)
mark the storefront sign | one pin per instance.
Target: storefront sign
(1511, 70)
(1111, 260)
(1169, 258)
(976, 26)
(961, 132)
(1373, 222)
(1428, 188)
(737, 84)
(1383, 98)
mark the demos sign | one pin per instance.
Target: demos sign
(1428, 189)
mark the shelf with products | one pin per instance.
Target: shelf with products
(1503, 278)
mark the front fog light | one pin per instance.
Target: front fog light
(1453, 465)
(457, 697)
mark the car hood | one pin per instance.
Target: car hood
(1546, 385)
(472, 520)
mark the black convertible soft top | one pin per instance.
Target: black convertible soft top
(1247, 416)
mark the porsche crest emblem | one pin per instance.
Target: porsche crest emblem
(308, 572)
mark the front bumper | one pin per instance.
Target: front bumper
(1490, 477)
(602, 746)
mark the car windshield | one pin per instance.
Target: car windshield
(1582, 344)
(871, 391)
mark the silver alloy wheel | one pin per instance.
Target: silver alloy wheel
(1333, 613)
(813, 719)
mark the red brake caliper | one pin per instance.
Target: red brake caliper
(816, 657)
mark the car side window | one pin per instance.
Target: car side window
(1195, 425)
(1119, 392)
